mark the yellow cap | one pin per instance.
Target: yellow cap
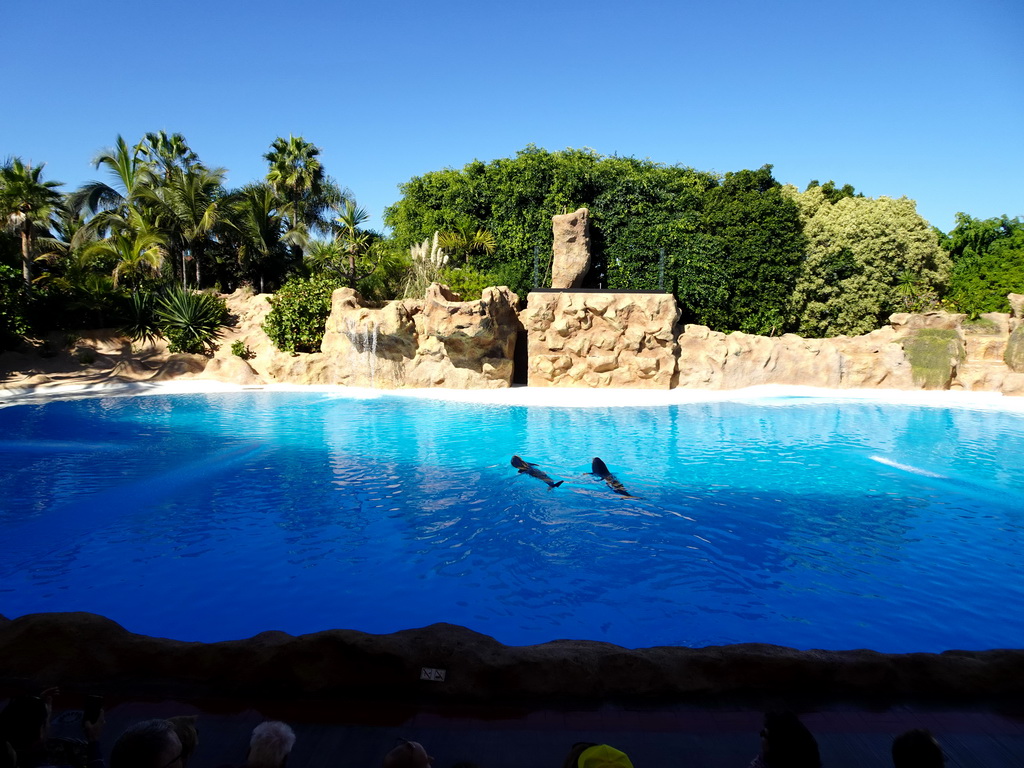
(603, 756)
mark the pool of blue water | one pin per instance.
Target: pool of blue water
(804, 523)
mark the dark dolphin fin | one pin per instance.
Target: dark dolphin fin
(555, 485)
(599, 468)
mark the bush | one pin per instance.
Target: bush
(240, 349)
(466, 281)
(299, 312)
(142, 324)
(190, 321)
(13, 308)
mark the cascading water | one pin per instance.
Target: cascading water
(362, 357)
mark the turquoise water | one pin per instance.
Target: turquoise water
(797, 522)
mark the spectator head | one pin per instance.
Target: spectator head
(917, 749)
(270, 744)
(786, 742)
(408, 754)
(188, 735)
(149, 744)
(587, 755)
(25, 722)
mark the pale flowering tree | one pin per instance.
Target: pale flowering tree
(861, 254)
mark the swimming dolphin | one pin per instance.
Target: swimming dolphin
(600, 469)
(532, 471)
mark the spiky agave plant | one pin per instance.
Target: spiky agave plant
(142, 323)
(190, 321)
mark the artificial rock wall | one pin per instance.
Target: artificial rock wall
(605, 339)
(439, 341)
(601, 339)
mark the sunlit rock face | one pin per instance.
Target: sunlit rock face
(601, 339)
(439, 341)
(570, 249)
(934, 350)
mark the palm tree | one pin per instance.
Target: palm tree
(297, 175)
(130, 174)
(463, 241)
(137, 251)
(166, 152)
(188, 209)
(350, 246)
(258, 216)
(26, 204)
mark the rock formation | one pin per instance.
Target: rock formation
(571, 249)
(601, 339)
(933, 350)
(437, 342)
(86, 653)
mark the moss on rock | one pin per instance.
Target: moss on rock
(934, 354)
(1014, 356)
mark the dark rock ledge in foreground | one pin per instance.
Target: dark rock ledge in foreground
(84, 652)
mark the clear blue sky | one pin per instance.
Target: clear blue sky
(902, 97)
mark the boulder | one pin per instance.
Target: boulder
(571, 249)
(179, 364)
(934, 355)
(131, 369)
(1016, 305)
(232, 369)
(1014, 356)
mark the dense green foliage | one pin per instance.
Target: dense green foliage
(13, 308)
(297, 320)
(739, 251)
(862, 254)
(731, 244)
(988, 263)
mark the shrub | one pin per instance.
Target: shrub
(142, 324)
(13, 308)
(240, 349)
(466, 281)
(299, 312)
(190, 321)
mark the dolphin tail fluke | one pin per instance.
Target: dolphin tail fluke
(555, 485)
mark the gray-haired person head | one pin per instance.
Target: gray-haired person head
(270, 744)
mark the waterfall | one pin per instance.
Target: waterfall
(362, 357)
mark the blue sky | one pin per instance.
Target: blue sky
(897, 98)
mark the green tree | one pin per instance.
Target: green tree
(26, 205)
(762, 244)
(137, 251)
(988, 263)
(860, 251)
(167, 152)
(189, 209)
(262, 233)
(714, 231)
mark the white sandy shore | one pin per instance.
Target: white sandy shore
(541, 396)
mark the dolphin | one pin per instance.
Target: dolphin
(532, 471)
(600, 469)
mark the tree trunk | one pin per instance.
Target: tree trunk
(26, 255)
